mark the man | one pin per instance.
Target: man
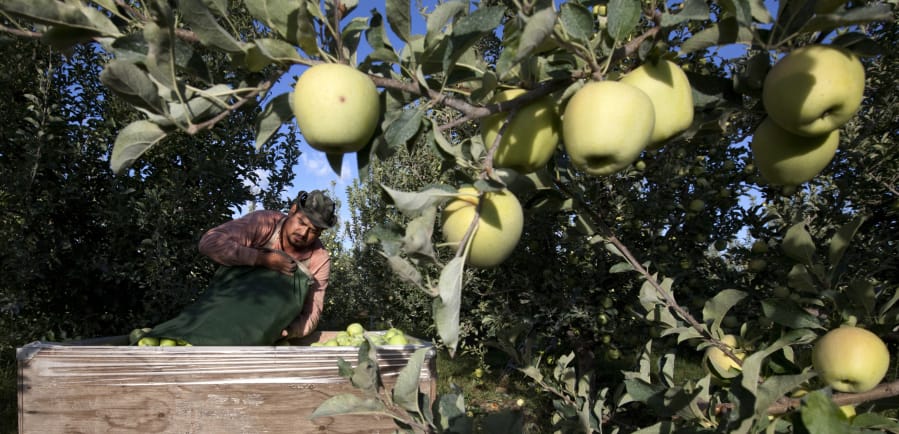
(258, 238)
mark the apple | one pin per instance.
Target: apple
(355, 329)
(848, 410)
(148, 341)
(784, 158)
(166, 342)
(398, 340)
(850, 359)
(720, 363)
(337, 108)
(696, 205)
(531, 137)
(500, 223)
(814, 89)
(759, 247)
(756, 265)
(672, 97)
(606, 125)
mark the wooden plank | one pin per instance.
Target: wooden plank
(195, 389)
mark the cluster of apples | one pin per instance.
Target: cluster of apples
(355, 334)
(138, 336)
(847, 359)
(808, 95)
(604, 128)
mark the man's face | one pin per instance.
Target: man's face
(299, 231)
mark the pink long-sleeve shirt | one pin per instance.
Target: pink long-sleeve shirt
(238, 241)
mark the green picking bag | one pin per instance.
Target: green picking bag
(242, 306)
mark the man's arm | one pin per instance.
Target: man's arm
(306, 322)
(237, 242)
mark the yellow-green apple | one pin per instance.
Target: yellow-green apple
(606, 125)
(355, 329)
(814, 89)
(398, 340)
(720, 363)
(850, 359)
(500, 222)
(337, 107)
(784, 158)
(531, 137)
(672, 97)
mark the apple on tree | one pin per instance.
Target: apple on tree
(531, 137)
(788, 159)
(499, 227)
(606, 125)
(337, 108)
(719, 363)
(850, 359)
(672, 97)
(814, 89)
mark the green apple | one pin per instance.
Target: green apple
(166, 342)
(531, 137)
(606, 125)
(330, 343)
(814, 89)
(719, 363)
(784, 158)
(759, 247)
(355, 329)
(148, 341)
(500, 223)
(398, 340)
(672, 97)
(696, 205)
(337, 108)
(756, 265)
(850, 359)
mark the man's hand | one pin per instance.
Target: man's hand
(276, 261)
(293, 330)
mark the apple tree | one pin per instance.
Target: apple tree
(684, 191)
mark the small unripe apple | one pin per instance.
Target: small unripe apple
(756, 265)
(814, 89)
(696, 205)
(850, 359)
(785, 158)
(337, 108)
(531, 137)
(606, 125)
(672, 97)
(500, 223)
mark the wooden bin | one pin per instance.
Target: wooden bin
(85, 388)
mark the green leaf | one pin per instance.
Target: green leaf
(788, 314)
(800, 279)
(376, 36)
(861, 292)
(454, 151)
(404, 269)
(538, 28)
(717, 307)
(417, 241)
(273, 116)
(399, 18)
(400, 131)
(412, 204)
(725, 32)
(160, 54)
(277, 50)
(692, 10)
(852, 17)
(798, 244)
(760, 12)
(468, 30)
(447, 305)
(207, 104)
(65, 14)
(842, 239)
(623, 18)
(775, 387)
(576, 20)
(821, 416)
(349, 404)
(407, 387)
(365, 376)
(205, 26)
(132, 84)
(135, 139)
(875, 421)
(439, 18)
